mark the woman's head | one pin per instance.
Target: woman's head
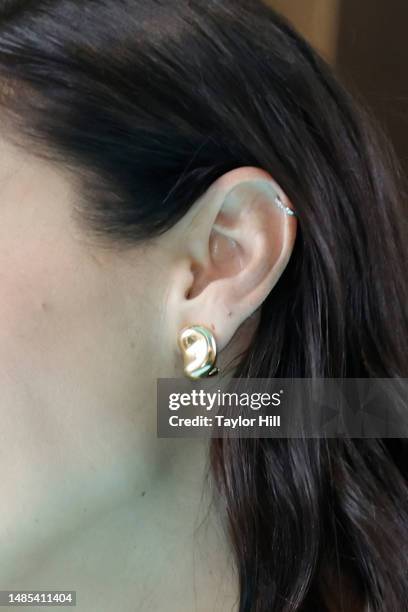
(145, 143)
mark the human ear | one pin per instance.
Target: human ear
(236, 242)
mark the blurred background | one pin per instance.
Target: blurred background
(367, 43)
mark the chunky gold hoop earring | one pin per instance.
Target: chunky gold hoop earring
(199, 350)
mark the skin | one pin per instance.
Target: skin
(94, 501)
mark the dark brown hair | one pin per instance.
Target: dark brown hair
(151, 101)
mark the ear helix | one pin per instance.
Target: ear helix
(277, 197)
(199, 351)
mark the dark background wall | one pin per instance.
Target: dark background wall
(372, 57)
(367, 42)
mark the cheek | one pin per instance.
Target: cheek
(27, 287)
(47, 278)
(45, 290)
(70, 314)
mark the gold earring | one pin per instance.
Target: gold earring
(199, 350)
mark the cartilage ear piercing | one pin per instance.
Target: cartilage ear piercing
(283, 207)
